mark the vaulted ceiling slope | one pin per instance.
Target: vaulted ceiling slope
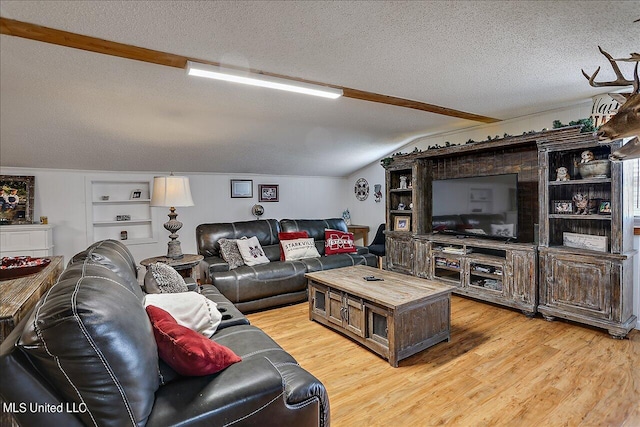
(72, 109)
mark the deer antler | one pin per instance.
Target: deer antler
(620, 81)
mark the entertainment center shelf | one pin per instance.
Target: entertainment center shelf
(536, 270)
(493, 271)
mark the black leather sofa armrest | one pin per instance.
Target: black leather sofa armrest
(213, 264)
(362, 250)
(251, 392)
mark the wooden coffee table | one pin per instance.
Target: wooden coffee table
(395, 318)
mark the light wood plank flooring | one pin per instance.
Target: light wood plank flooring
(499, 369)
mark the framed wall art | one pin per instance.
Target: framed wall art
(242, 188)
(16, 199)
(268, 193)
(402, 223)
(562, 207)
(605, 207)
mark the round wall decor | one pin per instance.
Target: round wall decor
(257, 211)
(362, 189)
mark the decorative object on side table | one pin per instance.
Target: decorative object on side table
(171, 191)
(16, 199)
(346, 215)
(268, 193)
(241, 188)
(362, 189)
(14, 267)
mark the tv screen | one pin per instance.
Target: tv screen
(481, 206)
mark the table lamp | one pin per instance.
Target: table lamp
(171, 191)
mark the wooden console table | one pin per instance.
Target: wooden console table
(362, 230)
(395, 318)
(19, 296)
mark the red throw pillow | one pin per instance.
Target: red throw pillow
(185, 350)
(338, 242)
(290, 235)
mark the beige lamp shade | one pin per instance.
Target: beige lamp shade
(171, 191)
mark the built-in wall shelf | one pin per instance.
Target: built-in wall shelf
(110, 202)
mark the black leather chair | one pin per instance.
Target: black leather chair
(377, 247)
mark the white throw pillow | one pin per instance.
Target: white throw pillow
(299, 249)
(251, 251)
(190, 309)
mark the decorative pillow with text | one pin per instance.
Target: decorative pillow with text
(338, 242)
(290, 235)
(299, 249)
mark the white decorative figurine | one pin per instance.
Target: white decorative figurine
(403, 182)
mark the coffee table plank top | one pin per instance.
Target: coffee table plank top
(395, 291)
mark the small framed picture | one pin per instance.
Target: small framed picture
(402, 223)
(268, 192)
(242, 188)
(136, 194)
(605, 207)
(562, 207)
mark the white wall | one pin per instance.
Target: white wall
(61, 196)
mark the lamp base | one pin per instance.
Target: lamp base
(174, 251)
(173, 225)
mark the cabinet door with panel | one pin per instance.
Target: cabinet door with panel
(580, 285)
(399, 253)
(421, 258)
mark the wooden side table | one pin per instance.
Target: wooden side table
(19, 296)
(187, 266)
(360, 229)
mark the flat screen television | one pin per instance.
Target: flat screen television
(480, 206)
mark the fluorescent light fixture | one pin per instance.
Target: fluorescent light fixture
(249, 78)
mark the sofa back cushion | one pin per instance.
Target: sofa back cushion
(116, 257)
(92, 339)
(266, 230)
(314, 228)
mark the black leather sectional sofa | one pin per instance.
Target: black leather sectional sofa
(86, 355)
(258, 287)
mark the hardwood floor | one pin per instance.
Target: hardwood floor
(499, 369)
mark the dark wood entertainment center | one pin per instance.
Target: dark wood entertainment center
(538, 273)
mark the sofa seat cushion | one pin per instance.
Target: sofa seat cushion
(91, 338)
(338, 261)
(185, 350)
(248, 283)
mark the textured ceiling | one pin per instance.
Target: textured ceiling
(65, 108)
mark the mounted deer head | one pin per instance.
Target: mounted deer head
(626, 122)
